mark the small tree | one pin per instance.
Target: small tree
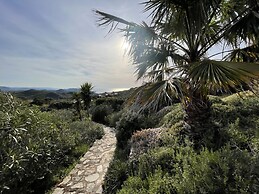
(77, 103)
(86, 90)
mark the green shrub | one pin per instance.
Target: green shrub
(114, 102)
(64, 116)
(134, 185)
(86, 132)
(113, 118)
(182, 170)
(215, 132)
(160, 183)
(115, 176)
(224, 171)
(219, 155)
(130, 122)
(159, 158)
(175, 115)
(61, 105)
(37, 101)
(215, 99)
(100, 112)
(31, 146)
(157, 183)
(35, 145)
(144, 140)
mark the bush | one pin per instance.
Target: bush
(182, 170)
(100, 112)
(157, 183)
(159, 158)
(228, 113)
(175, 115)
(113, 118)
(35, 145)
(63, 116)
(115, 103)
(224, 171)
(115, 176)
(61, 105)
(134, 185)
(31, 146)
(86, 132)
(38, 102)
(220, 157)
(144, 140)
(130, 122)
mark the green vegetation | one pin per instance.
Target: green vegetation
(208, 144)
(86, 90)
(104, 108)
(221, 157)
(205, 144)
(37, 148)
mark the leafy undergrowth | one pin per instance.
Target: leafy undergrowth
(220, 155)
(38, 148)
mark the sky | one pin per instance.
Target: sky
(58, 44)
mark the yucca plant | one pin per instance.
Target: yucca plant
(86, 91)
(176, 55)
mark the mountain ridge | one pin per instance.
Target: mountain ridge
(14, 89)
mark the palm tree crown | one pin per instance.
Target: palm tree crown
(86, 90)
(174, 52)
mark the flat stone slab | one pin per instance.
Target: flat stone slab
(92, 177)
(88, 174)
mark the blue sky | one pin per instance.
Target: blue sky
(56, 43)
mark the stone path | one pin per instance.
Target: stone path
(88, 174)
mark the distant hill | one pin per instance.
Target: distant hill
(53, 93)
(68, 90)
(41, 93)
(12, 89)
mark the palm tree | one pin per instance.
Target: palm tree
(86, 90)
(175, 52)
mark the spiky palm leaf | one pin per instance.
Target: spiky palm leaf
(213, 76)
(154, 96)
(246, 27)
(247, 54)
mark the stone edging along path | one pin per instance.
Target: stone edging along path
(88, 174)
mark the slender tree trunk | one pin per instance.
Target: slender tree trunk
(78, 110)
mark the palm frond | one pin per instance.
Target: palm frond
(154, 96)
(247, 54)
(214, 76)
(106, 19)
(247, 26)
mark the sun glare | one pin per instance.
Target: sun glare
(125, 46)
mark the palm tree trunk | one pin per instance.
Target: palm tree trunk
(197, 108)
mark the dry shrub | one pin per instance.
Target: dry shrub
(144, 140)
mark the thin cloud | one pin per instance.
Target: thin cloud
(57, 44)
